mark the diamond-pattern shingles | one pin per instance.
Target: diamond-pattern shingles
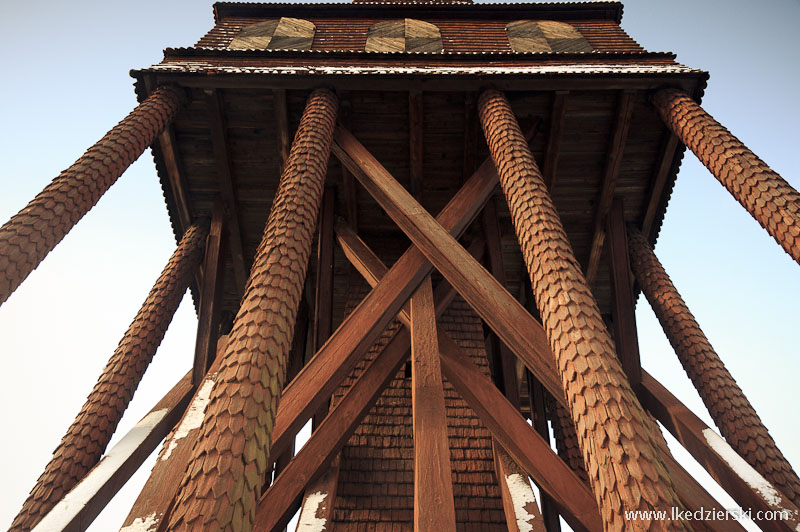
(772, 201)
(732, 412)
(88, 436)
(224, 479)
(376, 476)
(618, 441)
(27, 238)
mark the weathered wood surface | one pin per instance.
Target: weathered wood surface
(553, 151)
(433, 487)
(76, 511)
(519, 500)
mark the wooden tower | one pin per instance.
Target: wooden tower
(480, 187)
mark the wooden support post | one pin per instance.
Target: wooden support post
(238, 423)
(553, 150)
(415, 141)
(31, 234)
(772, 201)
(519, 501)
(691, 493)
(669, 150)
(87, 437)
(349, 188)
(210, 296)
(729, 408)
(76, 511)
(536, 394)
(624, 312)
(219, 141)
(613, 162)
(281, 124)
(434, 508)
(470, 136)
(156, 498)
(739, 479)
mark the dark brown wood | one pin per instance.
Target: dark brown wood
(613, 162)
(416, 146)
(334, 361)
(210, 296)
(349, 188)
(87, 499)
(553, 150)
(670, 147)
(504, 359)
(226, 187)
(323, 300)
(156, 496)
(624, 310)
(434, 508)
(536, 394)
(329, 438)
(316, 512)
(504, 314)
(282, 124)
(717, 457)
(166, 140)
(471, 132)
(515, 492)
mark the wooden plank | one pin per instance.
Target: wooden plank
(504, 314)
(471, 128)
(156, 497)
(281, 124)
(747, 487)
(219, 142)
(623, 309)
(519, 501)
(348, 344)
(613, 163)
(553, 150)
(325, 443)
(349, 189)
(316, 512)
(691, 493)
(76, 511)
(210, 296)
(434, 508)
(536, 395)
(504, 359)
(323, 299)
(670, 147)
(415, 143)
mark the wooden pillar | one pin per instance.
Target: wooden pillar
(765, 194)
(729, 408)
(611, 424)
(27, 238)
(88, 436)
(223, 481)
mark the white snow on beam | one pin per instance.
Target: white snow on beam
(521, 495)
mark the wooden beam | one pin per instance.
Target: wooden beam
(282, 124)
(333, 362)
(76, 511)
(623, 308)
(329, 438)
(227, 191)
(519, 501)
(504, 360)
(691, 493)
(415, 142)
(471, 128)
(669, 149)
(323, 295)
(613, 162)
(434, 508)
(155, 499)
(349, 188)
(536, 395)
(504, 314)
(747, 487)
(553, 150)
(177, 183)
(210, 296)
(316, 512)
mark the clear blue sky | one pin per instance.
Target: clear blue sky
(66, 82)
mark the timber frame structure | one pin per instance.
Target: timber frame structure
(481, 186)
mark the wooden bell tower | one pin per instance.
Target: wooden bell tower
(422, 225)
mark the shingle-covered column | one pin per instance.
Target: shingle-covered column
(727, 404)
(27, 238)
(618, 442)
(87, 437)
(766, 195)
(224, 479)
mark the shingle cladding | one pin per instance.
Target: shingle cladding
(376, 477)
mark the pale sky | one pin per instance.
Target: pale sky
(66, 82)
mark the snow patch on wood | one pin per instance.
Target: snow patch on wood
(193, 418)
(521, 495)
(146, 524)
(745, 471)
(309, 522)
